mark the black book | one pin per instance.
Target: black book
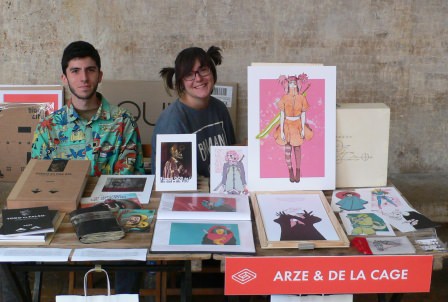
(27, 221)
(96, 224)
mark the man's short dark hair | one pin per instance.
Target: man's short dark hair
(79, 49)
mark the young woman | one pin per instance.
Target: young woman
(195, 111)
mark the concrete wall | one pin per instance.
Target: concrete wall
(391, 51)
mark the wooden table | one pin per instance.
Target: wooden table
(65, 237)
(190, 262)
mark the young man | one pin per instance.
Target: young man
(88, 127)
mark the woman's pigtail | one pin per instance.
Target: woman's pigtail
(215, 54)
(167, 74)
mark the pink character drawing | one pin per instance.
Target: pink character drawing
(233, 175)
(293, 130)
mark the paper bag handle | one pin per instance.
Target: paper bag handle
(96, 269)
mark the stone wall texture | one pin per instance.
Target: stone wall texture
(389, 51)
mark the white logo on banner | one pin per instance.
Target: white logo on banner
(244, 276)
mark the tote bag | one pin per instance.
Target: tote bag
(98, 298)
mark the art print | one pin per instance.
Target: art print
(115, 202)
(292, 127)
(288, 219)
(351, 200)
(390, 245)
(203, 236)
(176, 167)
(366, 223)
(228, 169)
(35, 94)
(184, 233)
(385, 201)
(204, 206)
(124, 184)
(116, 187)
(135, 220)
(204, 203)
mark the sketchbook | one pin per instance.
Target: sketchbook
(203, 222)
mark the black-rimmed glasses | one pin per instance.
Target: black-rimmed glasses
(202, 71)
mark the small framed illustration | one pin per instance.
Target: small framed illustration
(176, 163)
(203, 206)
(113, 185)
(292, 127)
(228, 169)
(203, 236)
(296, 219)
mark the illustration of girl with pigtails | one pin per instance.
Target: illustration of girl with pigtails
(291, 129)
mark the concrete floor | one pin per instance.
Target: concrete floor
(426, 192)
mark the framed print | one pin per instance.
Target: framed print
(292, 127)
(114, 185)
(176, 167)
(203, 236)
(296, 219)
(203, 206)
(52, 94)
(228, 169)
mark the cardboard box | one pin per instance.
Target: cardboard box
(362, 144)
(17, 123)
(147, 99)
(58, 184)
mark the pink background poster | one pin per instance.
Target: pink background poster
(273, 161)
(272, 156)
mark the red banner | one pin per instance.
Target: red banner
(327, 275)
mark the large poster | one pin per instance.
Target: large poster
(291, 127)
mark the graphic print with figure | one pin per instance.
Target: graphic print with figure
(381, 195)
(233, 175)
(350, 201)
(298, 227)
(219, 235)
(292, 129)
(174, 167)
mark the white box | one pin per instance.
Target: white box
(362, 144)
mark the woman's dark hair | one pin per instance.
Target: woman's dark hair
(184, 63)
(79, 49)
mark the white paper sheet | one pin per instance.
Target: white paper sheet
(109, 254)
(34, 254)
